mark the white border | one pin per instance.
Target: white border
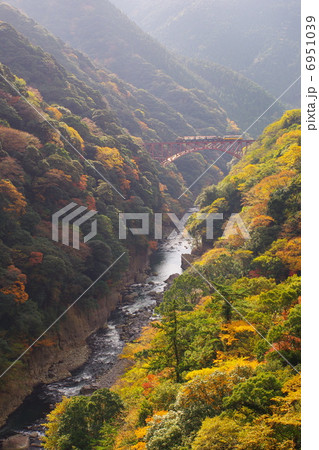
(310, 247)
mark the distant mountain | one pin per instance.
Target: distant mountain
(168, 89)
(138, 111)
(245, 99)
(259, 39)
(41, 71)
(112, 41)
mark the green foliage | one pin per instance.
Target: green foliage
(102, 406)
(166, 434)
(81, 422)
(182, 332)
(217, 434)
(107, 441)
(145, 411)
(72, 427)
(255, 393)
(164, 395)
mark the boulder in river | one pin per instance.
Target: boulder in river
(16, 442)
(34, 435)
(187, 260)
(171, 278)
(129, 298)
(140, 277)
(88, 389)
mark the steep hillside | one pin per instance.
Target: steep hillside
(235, 93)
(110, 39)
(220, 369)
(116, 44)
(259, 39)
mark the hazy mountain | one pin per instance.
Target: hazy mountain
(57, 86)
(259, 39)
(111, 40)
(119, 46)
(161, 121)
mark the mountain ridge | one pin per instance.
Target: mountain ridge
(261, 39)
(195, 97)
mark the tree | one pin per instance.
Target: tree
(217, 434)
(102, 407)
(179, 298)
(110, 157)
(256, 393)
(14, 284)
(11, 200)
(52, 435)
(205, 392)
(285, 417)
(183, 294)
(81, 421)
(260, 436)
(15, 142)
(73, 427)
(173, 345)
(166, 432)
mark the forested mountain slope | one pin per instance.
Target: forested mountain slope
(138, 111)
(110, 39)
(235, 93)
(56, 85)
(259, 39)
(220, 369)
(61, 144)
(117, 45)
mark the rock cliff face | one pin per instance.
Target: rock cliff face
(48, 364)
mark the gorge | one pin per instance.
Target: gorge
(124, 341)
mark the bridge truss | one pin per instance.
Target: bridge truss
(167, 152)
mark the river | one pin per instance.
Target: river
(106, 344)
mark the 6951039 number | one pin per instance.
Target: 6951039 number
(310, 43)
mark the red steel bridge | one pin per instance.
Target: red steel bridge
(167, 152)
